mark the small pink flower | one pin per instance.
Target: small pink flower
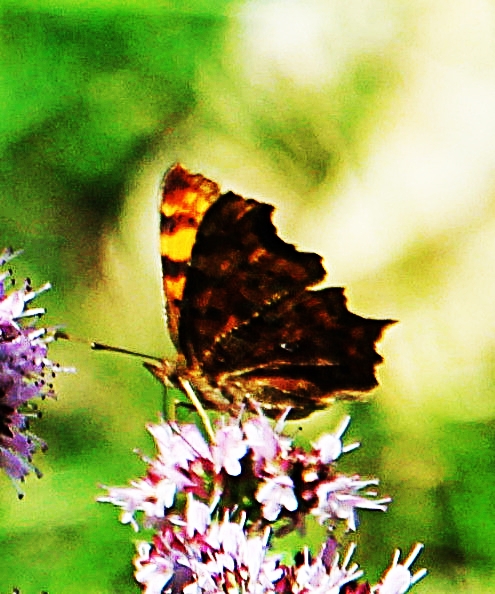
(197, 516)
(275, 493)
(326, 576)
(230, 447)
(153, 570)
(266, 443)
(179, 445)
(261, 438)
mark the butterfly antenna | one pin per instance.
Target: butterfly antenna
(100, 346)
(186, 386)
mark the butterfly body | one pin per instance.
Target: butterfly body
(241, 311)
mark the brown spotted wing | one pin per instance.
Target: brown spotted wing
(241, 311)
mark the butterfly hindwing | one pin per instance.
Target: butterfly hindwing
(304, 351)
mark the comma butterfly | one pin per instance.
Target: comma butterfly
(241, 312)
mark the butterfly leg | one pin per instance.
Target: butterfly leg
(191, 394)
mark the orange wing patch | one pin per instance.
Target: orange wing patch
(185, 199)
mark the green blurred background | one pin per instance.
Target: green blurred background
(371, 125)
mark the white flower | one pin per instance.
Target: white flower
(229, 448)
(153, 571)
(339, 499)
(398, 579)
(319, 577)
(178, 445)
(275, 493)
(198, 516)
(330, 445)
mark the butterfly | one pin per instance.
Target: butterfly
(241, 311)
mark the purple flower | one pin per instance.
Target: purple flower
(282, 478)
(227, 558)
(25, 373)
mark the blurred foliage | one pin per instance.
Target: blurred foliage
(369, 125)
(88, 93)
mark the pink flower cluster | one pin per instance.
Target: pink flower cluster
(249, 461)
(214, 506)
